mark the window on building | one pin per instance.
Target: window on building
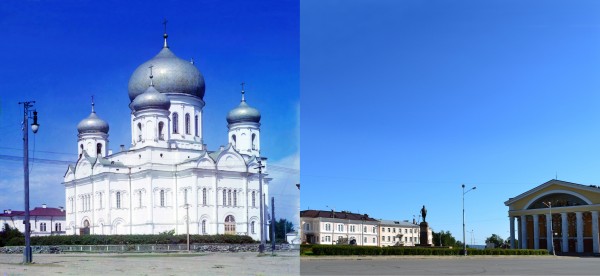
(118, 200)
(230, 225)
(161, 135)
(229, 197)
(196, 125)
(373, 240)
(99, 149)
(365, 229)
(162, 198)
(327, 227)
(187, 123)
(203, 226)
(234, 198)
(307, 227)
(405, 239)
(224, 197)
(233, 140)
(253, 141)
(382, 238)
(175, 122)
(43, 227)
(373, 229)
(57, 227)
(253, 199)
(405, 230)
(394, 230)
(382, 229)
(341, 227)
(99, 200)
(388, 238)
(204, 196)
(252, 228)
(365, 240)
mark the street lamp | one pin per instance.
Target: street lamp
(27, 257)
(261, 247)
(187, 224)
(551, 235)
(463, 217)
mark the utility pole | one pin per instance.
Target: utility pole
(27, 256)
(273, 225)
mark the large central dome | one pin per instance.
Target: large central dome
(171, 75)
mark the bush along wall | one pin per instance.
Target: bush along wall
(322, 250)
(131, 239)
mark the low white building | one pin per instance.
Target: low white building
(44, 221)
(330, 227)
(398, 233)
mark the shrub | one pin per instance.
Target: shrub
(138, 239)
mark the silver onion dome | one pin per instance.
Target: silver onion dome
(172, 75)
(151, 99)
(92, 124)
(243, 113)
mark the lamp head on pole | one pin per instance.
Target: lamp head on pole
(35, 126)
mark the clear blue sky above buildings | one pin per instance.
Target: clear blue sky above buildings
(404, 101)
(60, 53)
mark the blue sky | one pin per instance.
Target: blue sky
(59, 53)
(404, 101)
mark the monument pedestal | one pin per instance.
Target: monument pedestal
(424, 240)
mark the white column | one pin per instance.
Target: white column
(536, 232)
(595, 231)
(523, 238)
(512, 232)
(565, 232)
(579, 216)
(549, 233)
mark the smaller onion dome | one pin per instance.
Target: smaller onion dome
(92, 124)
(151, 99)
(243, 113)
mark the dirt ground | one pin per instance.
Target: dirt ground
(242, 263)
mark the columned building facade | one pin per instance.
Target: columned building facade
(559, 216)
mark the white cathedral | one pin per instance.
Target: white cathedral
(167, 175)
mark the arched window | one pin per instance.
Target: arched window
(229, 197)
(230, 225)
(139, 132)
(86, 223)
(224, 197)
(204, 227)
(253, 141)
(204, 196)
(175, 122)
(140, 198)
(234, 198)
(196, 125)
(185, 196)
(187, 123)
(99, 149)
(253, 199)
(252, 228)
(118, 200)
(162, 198)
(161, 135)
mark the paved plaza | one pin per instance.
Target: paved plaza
(242, 263)
(450, 265)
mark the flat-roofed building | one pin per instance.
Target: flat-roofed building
(330, 227)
